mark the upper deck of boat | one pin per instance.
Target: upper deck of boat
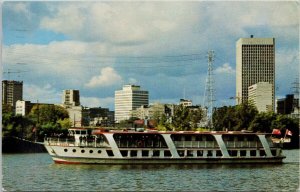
(138, 131)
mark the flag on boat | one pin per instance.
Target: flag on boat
(288, 132)
(276, 132)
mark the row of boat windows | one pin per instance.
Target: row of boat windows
(83, 151)
(133, 138)
(181, 153)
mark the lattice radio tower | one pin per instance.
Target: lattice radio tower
(209, 94)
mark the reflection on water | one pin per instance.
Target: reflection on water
(36, 172)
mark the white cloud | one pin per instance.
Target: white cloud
(42, 94)
(98, 31)
(225, 68)
(108, 76)
(97, 102)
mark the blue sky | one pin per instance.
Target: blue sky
(97, 47)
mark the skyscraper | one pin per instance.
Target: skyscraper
(255, 62)
(12, 91)
(128, 99)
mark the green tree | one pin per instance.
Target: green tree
(224, 118)
(195, 116)
(181, 119)
(49, 119)
(16, 126)
(262, 122)
(48, 113)
(245, 113)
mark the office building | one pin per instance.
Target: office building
(260, 95)
(71, 98)
(128, 99)
(255, 62)
(12, 91)
(287, 105)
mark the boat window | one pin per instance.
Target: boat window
(210, 138)
(133, 153)
(190, 153)
(167, 153)
(66, 150)
(219, 153)
(82, 151)
(262, 153)
(240, 138)
(83, 132)
(124, 153)
(99, 151)
(253, 153)
(145, 153)
(232, 153)
(209, 153)
(273, 151)
(175, 137)
(74, 150)
(140, 140)
(110, 153)
(199, 153)
(188, 138)
(198, 138)
(155, 153)
(243, 153)
(91, 151)
(77, 132)
(180, 153)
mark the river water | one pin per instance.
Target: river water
(37, 172)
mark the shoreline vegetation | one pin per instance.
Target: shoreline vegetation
(54, 121)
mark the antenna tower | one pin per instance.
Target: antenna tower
(209, 94)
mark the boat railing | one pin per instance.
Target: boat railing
(72, 142)
(196, 144)
(243, 144)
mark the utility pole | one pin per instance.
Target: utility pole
(209, 94)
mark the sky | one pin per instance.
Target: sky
(97, 47)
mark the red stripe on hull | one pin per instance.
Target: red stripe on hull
(65, 162)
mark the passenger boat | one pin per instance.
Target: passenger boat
(99, 146)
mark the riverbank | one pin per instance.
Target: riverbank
(17, 145)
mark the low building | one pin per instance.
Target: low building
(287, 105)
(101, 117)
(24, 107)
(186, 102)
(79, 116)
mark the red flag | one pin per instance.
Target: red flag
(276, 132)
(288, 132)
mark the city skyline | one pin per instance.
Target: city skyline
(97, 47)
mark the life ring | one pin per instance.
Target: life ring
(140, 144)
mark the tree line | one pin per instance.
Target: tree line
(41, 120)
(52, 119)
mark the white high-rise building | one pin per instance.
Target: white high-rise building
(255, 62)
(260, 95)
(128, 99)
